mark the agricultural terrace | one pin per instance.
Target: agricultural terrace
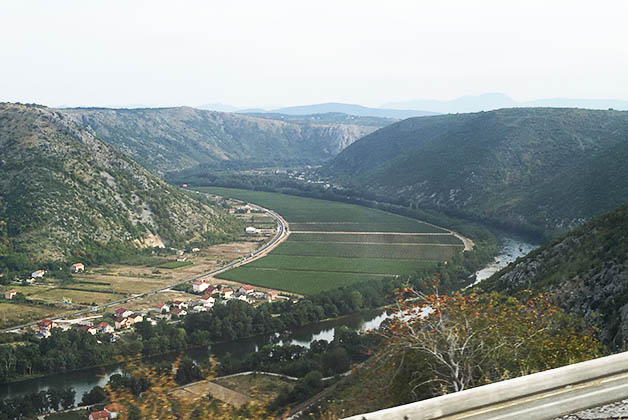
(335, 244)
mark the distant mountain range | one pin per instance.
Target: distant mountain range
(539, 169)
(492, 101)
(585, 271)
(65, 193)
(331, 107)
(172, 139)
(416, 108)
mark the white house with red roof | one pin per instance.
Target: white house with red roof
(123, 312)
(38, 274)
(77, 268)
(98, 415)
(9, 294)
(105, 328)
(199, 286)
(246, 289)
(114, 410)
(162, 307)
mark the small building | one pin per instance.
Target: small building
(179, 304)
(162, 307)
(105, 328)
(195, 249)
(114, 410)
(207, 300)
(182, 259)
(199, 286)
(38, 274)
(88, 329)
(77, 268)
(200, 308)
(98, 415)
(180, 252)
(250, 230)
(227, 293)
(246, 289)
(9, 294)
(179, 312)
(123, 312)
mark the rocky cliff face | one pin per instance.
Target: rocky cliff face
(171, 139)
(62, 189)
(586, 272)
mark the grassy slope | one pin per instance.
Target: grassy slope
(540, 168)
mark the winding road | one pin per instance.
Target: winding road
(281, 235)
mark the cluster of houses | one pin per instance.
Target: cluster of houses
(39, 274)
(208, 296)
(111, 411)
(245, 292)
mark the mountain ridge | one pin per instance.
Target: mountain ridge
(63, 191)
(171, 139)
(513, 166)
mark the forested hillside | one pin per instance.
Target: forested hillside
(542, 169)
(170, 139)
(64, 192)
(587, 272)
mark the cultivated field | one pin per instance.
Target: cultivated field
(335, 244)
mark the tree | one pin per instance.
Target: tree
(67, 398)
(459, 341)
(95, 396)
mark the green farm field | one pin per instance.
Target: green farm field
(300, 209)
(432, 252)
(336, 244)
(376, 238)
(347, 265)
(302, 282)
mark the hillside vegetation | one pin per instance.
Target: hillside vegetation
(542, 169)
(64, 192)
(586, 270)
(171, 139)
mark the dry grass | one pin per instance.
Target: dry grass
(16, 314)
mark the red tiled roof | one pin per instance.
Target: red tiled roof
(114, 408)
(247, 287)
(102, 414)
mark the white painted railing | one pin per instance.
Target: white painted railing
(542, 395)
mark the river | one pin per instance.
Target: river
(83, 381)
(511, 249)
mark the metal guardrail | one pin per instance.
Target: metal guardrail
(543, 395)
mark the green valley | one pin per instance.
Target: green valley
(335, 244)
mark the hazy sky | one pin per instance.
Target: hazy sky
(263, 53)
